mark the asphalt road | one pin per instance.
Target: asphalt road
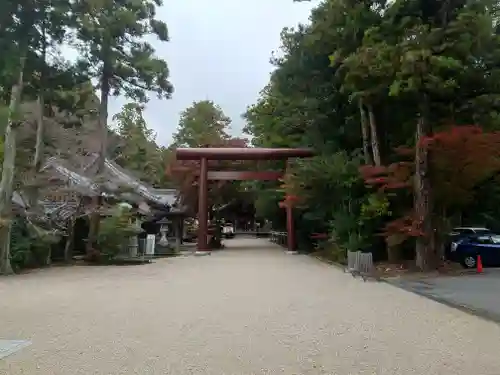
(476, 293)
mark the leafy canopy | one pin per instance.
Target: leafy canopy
(110, 38)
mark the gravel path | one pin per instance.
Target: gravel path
(248, 310)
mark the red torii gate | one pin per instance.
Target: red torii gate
(205, 154)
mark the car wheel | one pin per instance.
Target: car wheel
(469, 262)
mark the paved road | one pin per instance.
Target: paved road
(477, 293)
(249, 310)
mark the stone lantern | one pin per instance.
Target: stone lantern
(163, 232)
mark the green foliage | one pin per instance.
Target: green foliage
(110, 36)
(376, 205)
(137, 150)
(115, 232)
(404, 62)
(30, 245)
(114, 53)
(334, 176)
(203, 123)
(266, 205)
(34, 29)
(1, 148)
(332, 199)
(20, 252)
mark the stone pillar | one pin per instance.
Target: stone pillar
(134, 241)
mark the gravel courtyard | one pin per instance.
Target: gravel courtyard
(250, 309)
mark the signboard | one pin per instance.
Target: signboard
(150, 244)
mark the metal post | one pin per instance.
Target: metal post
(203, 209)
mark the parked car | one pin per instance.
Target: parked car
(228, 230)
(465, 231)
(466, 250)
(459, 233)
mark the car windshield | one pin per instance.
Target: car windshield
(457, 231)
(482, 231)
(496, 239)
(482, 239)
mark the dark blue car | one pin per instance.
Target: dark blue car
(466, 249)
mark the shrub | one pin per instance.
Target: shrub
(30, 245)
(115, 232)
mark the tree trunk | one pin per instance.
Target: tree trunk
(95, 216)
(393, 254)
(37, 159)
(365, 134)
(69, 245)
(41, 107)
(33, 191)
(374, 136)
(8, 171)
(394, 243)
(425, 255)
(440, 227)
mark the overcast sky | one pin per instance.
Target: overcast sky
(219, 50)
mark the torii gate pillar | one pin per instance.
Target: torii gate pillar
(290, 228)
(203, 208)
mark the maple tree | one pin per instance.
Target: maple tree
(461, 158)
